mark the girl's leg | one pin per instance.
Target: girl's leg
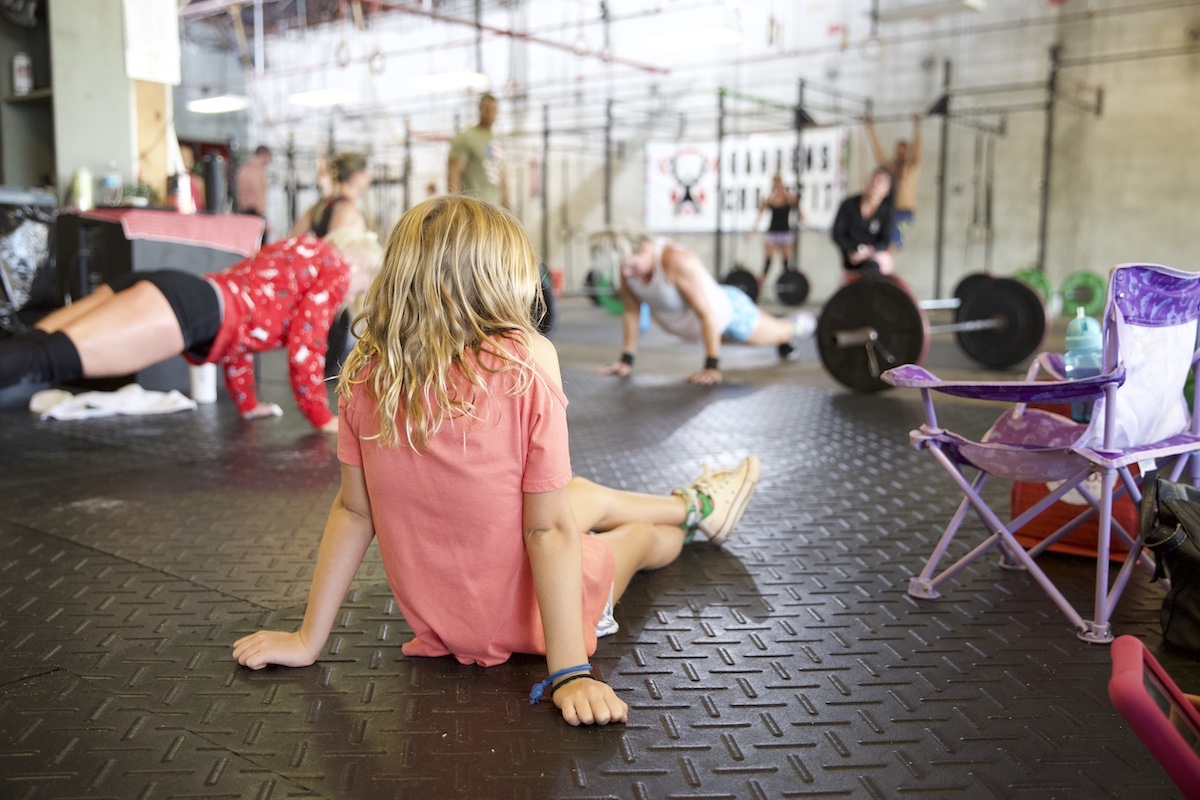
(640, 546)
(56, 320)
(649, 531)
(131, 330)
(599, 508)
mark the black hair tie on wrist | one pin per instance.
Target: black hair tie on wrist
(567, 680)
(627, 358)
(711, 362)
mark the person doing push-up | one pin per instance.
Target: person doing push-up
(285, 295)
(687, 301)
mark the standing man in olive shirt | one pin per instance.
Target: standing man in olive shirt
(476, 161)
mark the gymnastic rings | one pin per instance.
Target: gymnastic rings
(341, 54)
(377, 62)
(872, 47)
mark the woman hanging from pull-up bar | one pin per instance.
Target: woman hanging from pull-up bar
(904, 165)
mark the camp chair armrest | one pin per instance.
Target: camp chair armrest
(911, 376)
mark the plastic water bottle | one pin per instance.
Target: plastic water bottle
(111, 185)
(1083, 358)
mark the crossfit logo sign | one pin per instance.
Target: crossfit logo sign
(688, 167)
(681, 180)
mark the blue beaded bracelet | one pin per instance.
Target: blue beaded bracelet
(535, 694)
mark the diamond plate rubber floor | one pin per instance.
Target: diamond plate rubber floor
(789, 663)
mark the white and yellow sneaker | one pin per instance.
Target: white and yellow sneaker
(729, 492)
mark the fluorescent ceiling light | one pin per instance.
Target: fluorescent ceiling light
(697, 38)
(931, 9)
(220, 104)
(455, 79)
(318, 98)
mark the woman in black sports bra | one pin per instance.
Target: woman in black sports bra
(340, 209)
(778, 237)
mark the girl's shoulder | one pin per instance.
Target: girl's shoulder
(537, 353)
(543, 354)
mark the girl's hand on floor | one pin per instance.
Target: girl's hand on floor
(590, 702)
(273, 647)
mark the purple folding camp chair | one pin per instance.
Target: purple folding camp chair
(1140, 416)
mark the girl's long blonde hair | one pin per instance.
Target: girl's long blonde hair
(458, 275)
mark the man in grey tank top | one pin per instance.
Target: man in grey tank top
(685, 300)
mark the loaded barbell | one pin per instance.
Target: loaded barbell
(874, 324)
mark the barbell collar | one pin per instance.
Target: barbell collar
(949, 304)
(856, 337)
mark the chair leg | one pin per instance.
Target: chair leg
(922, 588)
(1097, 630)
(1009, 562)
(1094, 632)
(924, 585)
(1001, 535)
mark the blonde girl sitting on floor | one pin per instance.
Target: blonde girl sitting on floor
(453, 443)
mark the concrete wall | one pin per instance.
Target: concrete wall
(94, 105)
(1123, 183)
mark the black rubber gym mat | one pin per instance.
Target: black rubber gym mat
(788, 664)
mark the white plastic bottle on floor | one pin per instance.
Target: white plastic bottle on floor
(1083, 358)
(204, 383)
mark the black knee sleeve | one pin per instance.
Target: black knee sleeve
(62, 358)
(15, 359)
(41, 357)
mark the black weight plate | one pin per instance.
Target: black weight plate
(1023, 327)
(589, 285)
(880, 304)
(742, 279)
(967, 286)
(600, 290)
(792, 288)
(545, 311)
(341, 342)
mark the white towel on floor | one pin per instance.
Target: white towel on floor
(131, 399)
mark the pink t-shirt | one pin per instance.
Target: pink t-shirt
(449, 520)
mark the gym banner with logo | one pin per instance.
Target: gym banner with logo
(681, 180)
